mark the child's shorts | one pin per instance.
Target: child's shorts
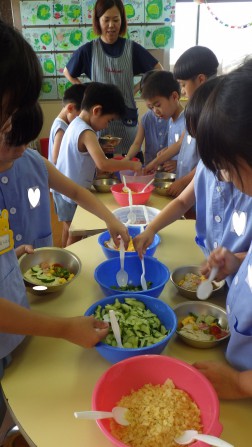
(63, 209)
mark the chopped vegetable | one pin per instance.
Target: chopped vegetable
(49, 274)
(131, 287)
(201, 327)
(139, 326)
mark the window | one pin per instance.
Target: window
(231, 45)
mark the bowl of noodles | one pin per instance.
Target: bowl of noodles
(187, 279)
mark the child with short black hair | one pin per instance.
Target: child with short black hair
(71, 108)
(160, 126)
(80, 152)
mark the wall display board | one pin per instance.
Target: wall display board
(56, 28)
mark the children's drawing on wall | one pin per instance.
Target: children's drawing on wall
(160, 11)
(36, 13)
(61, 59)
(41, 39)
(89, 34)
(161, 37)
(49, 89)
(67, 39)
(62, 85)
(67, 12)
(47, 61)
(136, 33)
(87, 7)
(134, 10)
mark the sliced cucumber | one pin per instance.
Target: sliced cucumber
(45, 278)
(36, 269)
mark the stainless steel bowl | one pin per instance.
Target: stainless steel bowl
(109, 139)
(104, 184)
(179, 273)
(201, 308)
(163, 175)
(53, 255)
(161, 186)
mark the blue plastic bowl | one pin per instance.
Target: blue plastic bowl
(165, 314)
(155, 271)
(133, 231)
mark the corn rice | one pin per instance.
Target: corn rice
(157, 414)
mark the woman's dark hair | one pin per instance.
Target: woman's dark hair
(194, 61)
(196, 103)
(108, 96)
(159, 83)
(20, 73)
(26, 125)
(224, 132)
(101, 6)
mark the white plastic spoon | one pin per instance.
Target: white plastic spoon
(122, 275)
(192, 435)
(118, 413)
(148, 184)
(131, 216)
(115, 328)
(205, 288)
(143, 280)
(125, 188)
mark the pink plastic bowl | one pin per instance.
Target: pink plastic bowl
(134, 372)
(137, 199)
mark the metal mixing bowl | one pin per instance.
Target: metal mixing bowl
(201, 308)
(179, 273)
(104, 184)
(161, 186)
(109, 139)
(163, 175)
(52, 255)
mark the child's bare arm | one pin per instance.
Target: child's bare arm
(83, 331)
(56, 145)
(167, 153)
(137, 143)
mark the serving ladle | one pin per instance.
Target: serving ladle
(118, 413)
(148, 184)
(205, 288)
(193, 435)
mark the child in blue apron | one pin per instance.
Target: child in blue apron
(224, 142)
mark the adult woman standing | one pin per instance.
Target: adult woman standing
(113, 59)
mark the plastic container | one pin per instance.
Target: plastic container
(155, 272)
(144, 214)
(130, 177)
(138, 198)
(121, 157)
(135, 372)
(165, 314)
(133, 231)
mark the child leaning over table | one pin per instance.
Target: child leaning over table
(224, 143)
(80, 152)
(163, 124)
(193, 67)
(216, 214)
(71, 108)
(20, 86)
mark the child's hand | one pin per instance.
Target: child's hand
(137, 166)
(84, 331)
(142, 241)
(24, 249)
(170, 166)
(227, 263)
(224, 379)
(116, 229)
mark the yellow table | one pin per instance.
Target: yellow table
(50, 379)
(86, 224)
